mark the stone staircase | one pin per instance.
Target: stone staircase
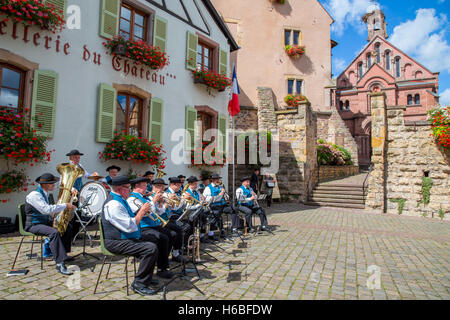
(341, 194)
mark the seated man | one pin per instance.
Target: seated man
(172, 213)
(198, 204)
(214, 194)
(205, 182)
(113, 171)
(150, 223)
(122, 234)
(39, 214)
(246, 199)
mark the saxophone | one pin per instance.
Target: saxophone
(69, 173)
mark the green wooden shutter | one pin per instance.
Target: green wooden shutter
(191, 51)
(160, 33)
(223, 62)
(43, 112)
(59, 5)
(106, 115)
(156, 120)
(191, 117)
(109, 18)
(222, 126)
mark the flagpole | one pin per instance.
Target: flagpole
(234, 183)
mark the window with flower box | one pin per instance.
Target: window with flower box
(11, 87)
(295, 86)
(205, 56)
(292, 37)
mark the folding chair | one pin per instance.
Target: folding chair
(107, 254)
(21, 216)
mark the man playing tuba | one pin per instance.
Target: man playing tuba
(39, 213)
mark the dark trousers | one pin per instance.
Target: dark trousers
(59, 246)
(163, 243)
(217, 212)
(269, 196)
(146, 252)
(248, 214)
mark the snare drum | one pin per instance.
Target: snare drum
(92, 197)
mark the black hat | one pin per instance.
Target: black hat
(47, 178)
(174, 180)
(215, 176)
(113, 167)
(138, 180)
(245, 178)
(181, 176)
(159, 181)
(74, 152)
(148, 173)
(120, 180)
(204, 177)
(192, 179)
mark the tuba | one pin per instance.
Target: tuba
(69, 173)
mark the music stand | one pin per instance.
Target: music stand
(85, 232)
(183, 273)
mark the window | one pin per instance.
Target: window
(341, 105)
(207, 121)
(133, 24)
(129, 114)
(360, 70)
(369, 60)
(204, 56)
(388, 60)
(377, 50)
(347, 105)
(11, 87)
(410, 100)
(417, 99)
(295, 86)
(291, 37)
(397, 67)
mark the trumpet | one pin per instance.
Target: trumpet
(226, 196)
(190, 200)
(172, 202)
(160, 174)
(152, 215)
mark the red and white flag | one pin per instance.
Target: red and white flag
(233, 104)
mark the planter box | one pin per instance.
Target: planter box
(202, 81)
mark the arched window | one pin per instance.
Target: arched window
(377, 49)
(347, 105)
(388, 60)
(417, 99)
(369, 61)
(11, 87)
(397, 67)
(360, 70)
(129, 114)
(410, 100)
(341, 105)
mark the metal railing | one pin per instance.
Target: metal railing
(367, 175)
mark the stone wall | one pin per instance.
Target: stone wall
(327, 173)
(402, 158)
(246, 119)
(331, 128)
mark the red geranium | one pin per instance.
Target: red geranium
(440, 126)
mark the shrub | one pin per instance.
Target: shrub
(331, 154)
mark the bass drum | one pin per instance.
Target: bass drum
(95, 194)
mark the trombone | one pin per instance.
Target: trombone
(152, 215)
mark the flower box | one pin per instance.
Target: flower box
(295, 100)
(32, 12)
(211, 79)
(295, 51)
(139, 51)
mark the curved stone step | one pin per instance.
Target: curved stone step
(342, 200)
(337, 205)
(332, 196)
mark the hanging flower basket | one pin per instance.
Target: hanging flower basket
(32, 12)
(295, 100)
(211, 79)
(440, 126)
(130, 148)
(139, 51)
(295, 51)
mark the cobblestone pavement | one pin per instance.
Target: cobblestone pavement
(315, 253)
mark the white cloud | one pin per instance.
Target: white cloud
(444, 98)
(348, 13)
(424, 39)
(339, 65)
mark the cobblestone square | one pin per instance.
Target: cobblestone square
(314, 253)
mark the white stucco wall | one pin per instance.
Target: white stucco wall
(76, 112)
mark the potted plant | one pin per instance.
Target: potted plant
(211, 79)
(32, 12)
(295, 51)
(139, 51)
(295, 100)
(440, 126)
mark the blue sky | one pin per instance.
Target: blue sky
(419, 28)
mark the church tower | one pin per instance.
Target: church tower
(376, 25)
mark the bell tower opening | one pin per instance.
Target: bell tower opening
(375, 21)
